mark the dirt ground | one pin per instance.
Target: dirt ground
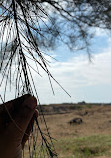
(96, 120)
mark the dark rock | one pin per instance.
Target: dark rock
(76, 121)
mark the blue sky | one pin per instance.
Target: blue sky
(83, 80)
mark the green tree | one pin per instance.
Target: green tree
(30, 26)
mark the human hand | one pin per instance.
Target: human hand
(16, 121)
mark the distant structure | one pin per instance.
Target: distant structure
(82, 103)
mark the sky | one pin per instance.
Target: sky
(83, 80)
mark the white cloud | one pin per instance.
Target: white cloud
(75, 75)
(82, 71)
(100, 32)
(82, 79)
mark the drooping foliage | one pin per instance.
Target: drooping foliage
(29, 26)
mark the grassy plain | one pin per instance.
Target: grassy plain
(90, 139)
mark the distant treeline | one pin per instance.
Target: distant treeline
(67, 107)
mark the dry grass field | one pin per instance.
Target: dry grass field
(90, 139)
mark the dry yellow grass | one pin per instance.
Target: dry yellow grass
(97, 121)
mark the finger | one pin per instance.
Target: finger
(36, 113)
(21, 111)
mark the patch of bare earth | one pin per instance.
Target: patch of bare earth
(96, 120)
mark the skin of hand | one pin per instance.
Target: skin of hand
(16, 121)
